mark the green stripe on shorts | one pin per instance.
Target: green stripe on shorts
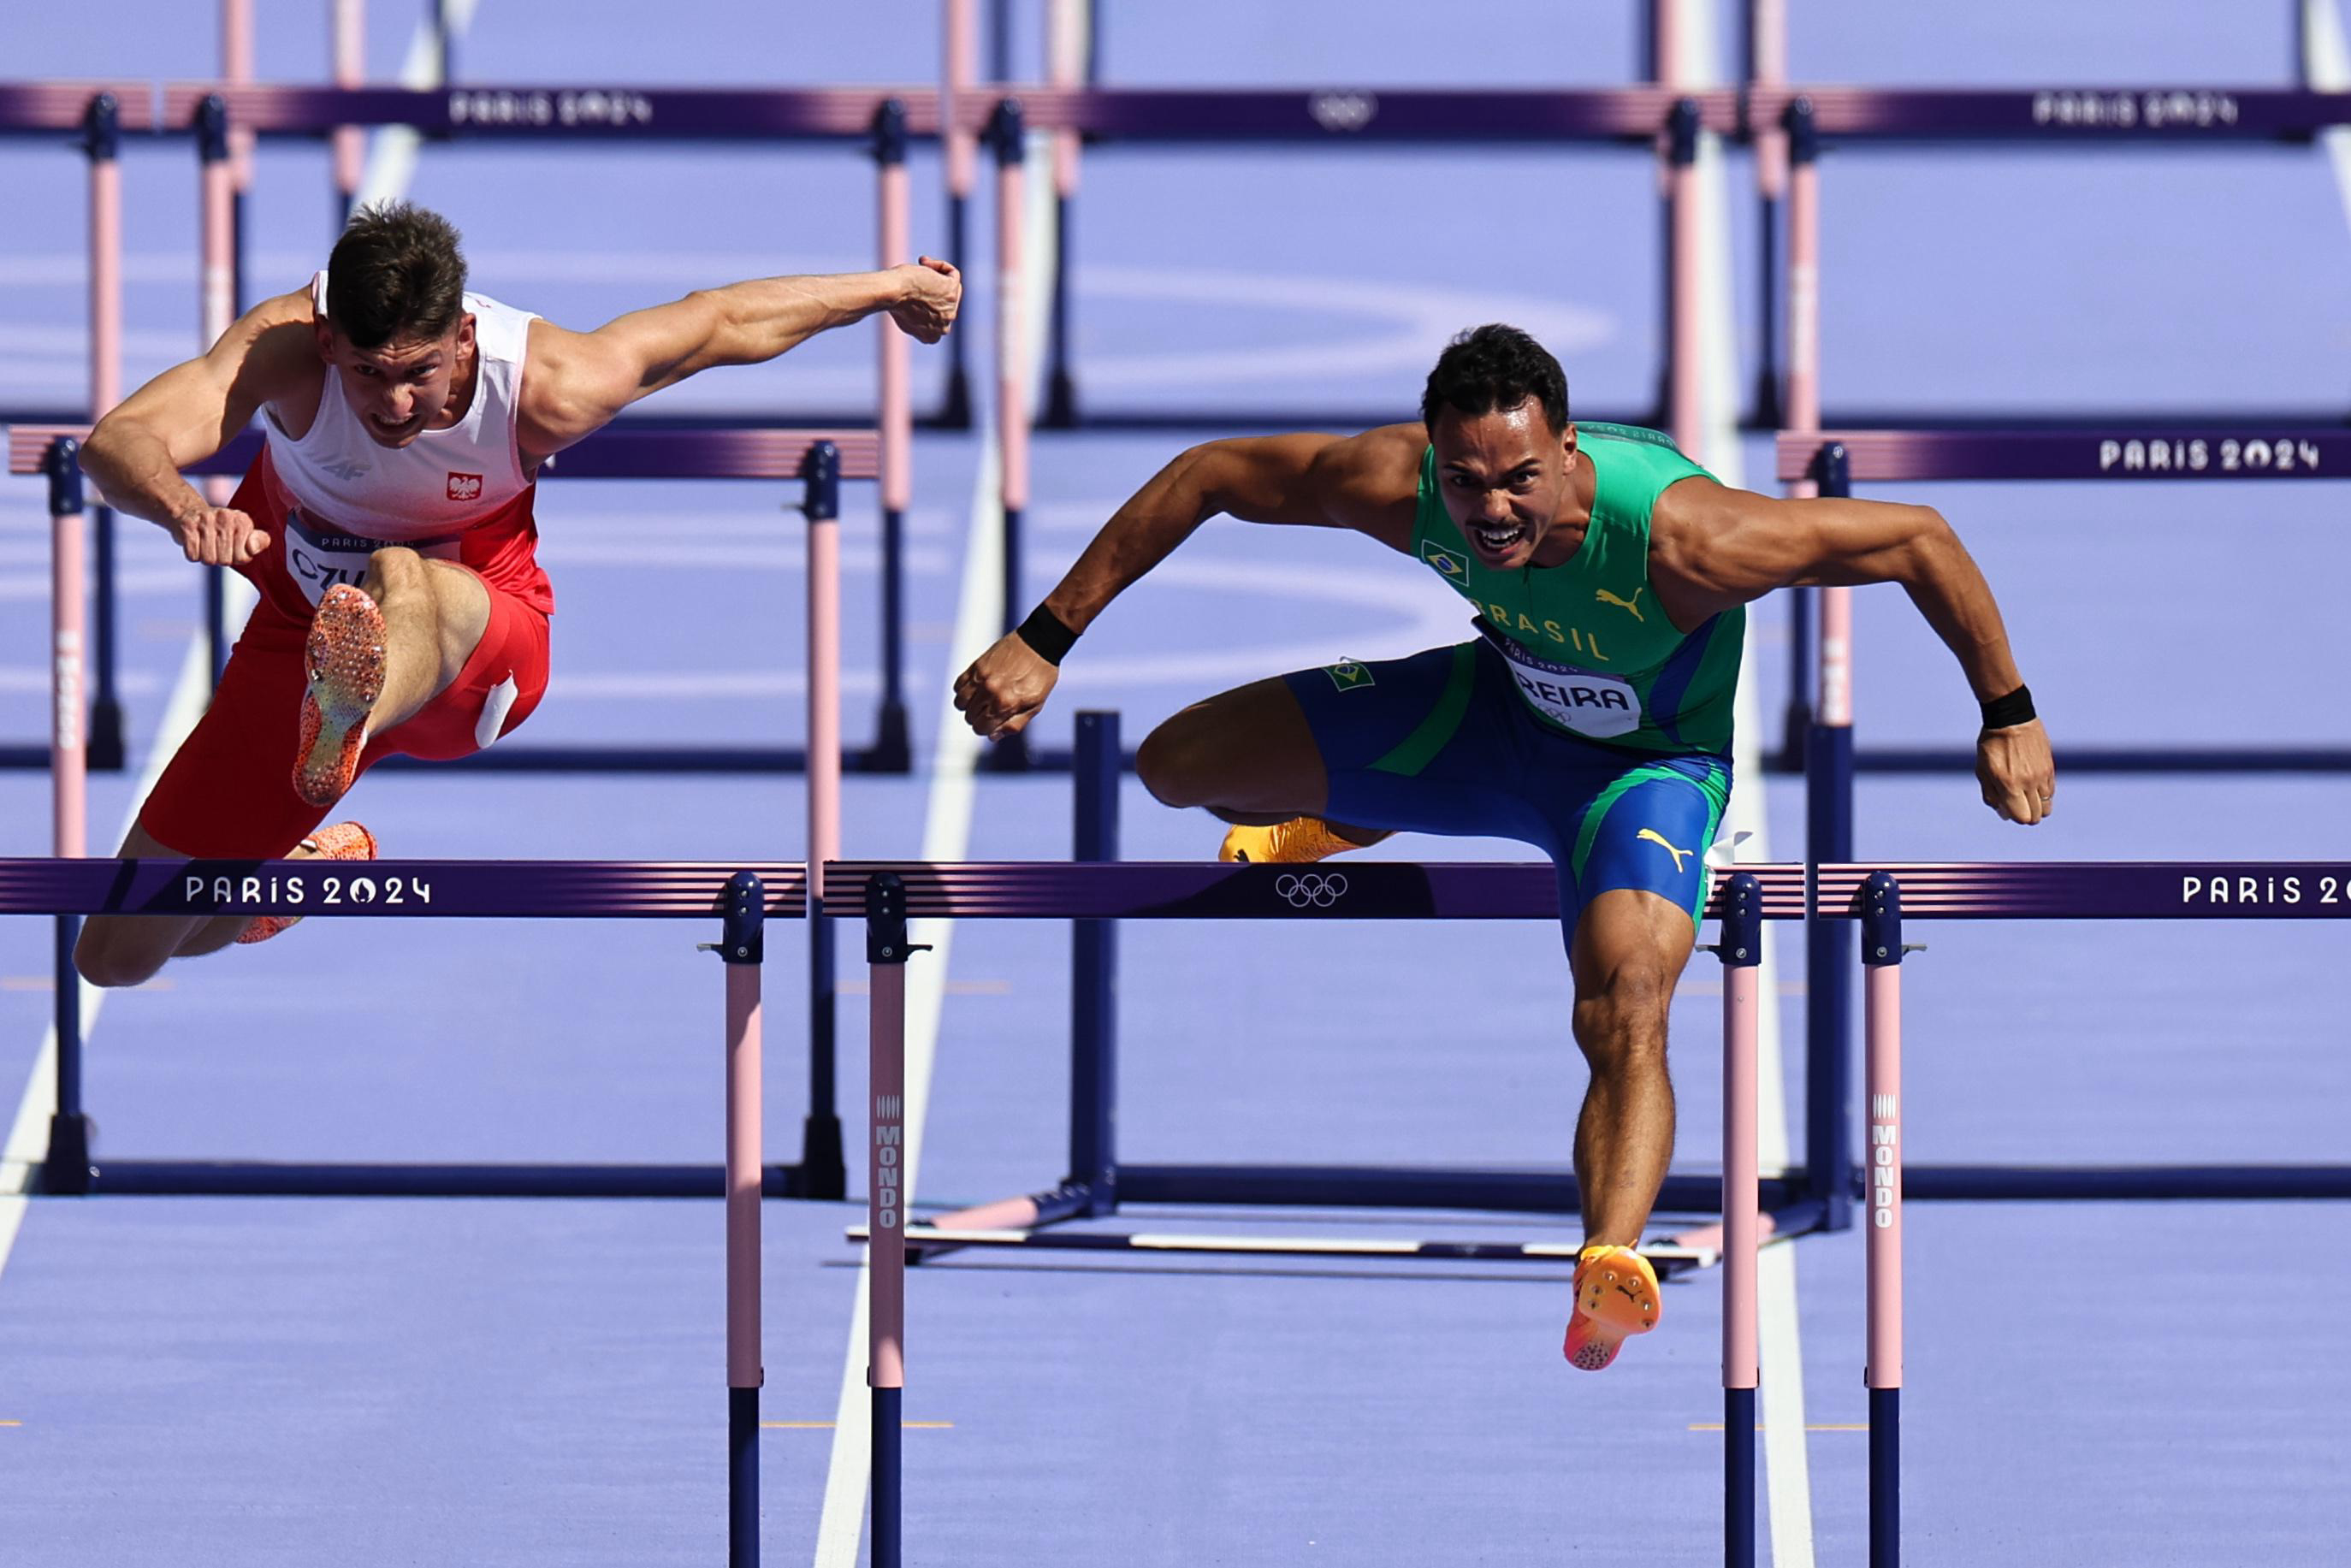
(1718, 796)
(1430, 735)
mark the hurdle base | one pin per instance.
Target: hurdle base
(824, 1171)
(1739, 1478)
(104, 753)
(67, 1171)
(742, 1478)
(255, 1178)
(645, 760)
(893, 751)
(2125, 759)
(2154, 1184)
(1060, 402)
(1010, 755)
(1403, 1186)
(953, 412)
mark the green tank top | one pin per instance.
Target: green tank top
(1591, 652)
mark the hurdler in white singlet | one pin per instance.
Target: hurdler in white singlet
(347, 496)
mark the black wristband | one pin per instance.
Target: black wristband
(1045, 635)
(2016, 708)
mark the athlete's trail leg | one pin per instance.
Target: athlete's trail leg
(117, 950)
(1628, 953)
(1246, 755)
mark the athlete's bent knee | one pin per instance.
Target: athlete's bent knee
(1175, 763)
(105, 955)
(392, 570)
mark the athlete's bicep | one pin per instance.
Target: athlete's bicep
(195, 407)
(1311, 481)
(574, 383)
(1724, 546)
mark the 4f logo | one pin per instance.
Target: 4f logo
(464, 487)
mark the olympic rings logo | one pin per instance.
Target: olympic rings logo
(1344, 111)
(1311, 891)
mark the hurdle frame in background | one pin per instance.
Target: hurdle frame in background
(101, 113)
(883, 120)
(740, 898)
(1093, 895)
(2085, 119)
(1665, 122)
(1836, 461)
(1098, 1183)
(822, 460)
(1875, 899)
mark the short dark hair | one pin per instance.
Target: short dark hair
(396, 272)
(1495, 367)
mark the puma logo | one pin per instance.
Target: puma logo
(1630, 606)
(1656, 837)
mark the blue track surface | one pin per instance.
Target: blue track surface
(253, 1382)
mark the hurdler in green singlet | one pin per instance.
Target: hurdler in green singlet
(1591, 652)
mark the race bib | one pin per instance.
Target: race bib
(1600, 706)
(316, 559)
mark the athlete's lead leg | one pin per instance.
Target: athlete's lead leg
(1247, 756)
(377, 653)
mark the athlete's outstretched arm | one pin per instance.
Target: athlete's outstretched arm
(1712, 547)
(189, 412)
(575, 383)
(1307, 481)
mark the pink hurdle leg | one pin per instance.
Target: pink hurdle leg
(1881, 956)
(1741, 952)
(1686, 301)
(893, 742)
(349, 48)
(958, 73)
(742, 947)
(1011, 339)
(888, 1189)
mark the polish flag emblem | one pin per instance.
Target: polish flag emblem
(464, 487)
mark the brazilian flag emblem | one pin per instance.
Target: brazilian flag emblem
(1450, 565)
(1348, 675)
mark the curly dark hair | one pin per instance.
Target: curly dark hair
(1496, 367)
(396, 272)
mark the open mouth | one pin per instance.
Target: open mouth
(390, 428)
(1498, 541)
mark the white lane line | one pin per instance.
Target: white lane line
(2327, 66)
(946, 832)
(28, 1131)
(1787, 1469)
(392, 151)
